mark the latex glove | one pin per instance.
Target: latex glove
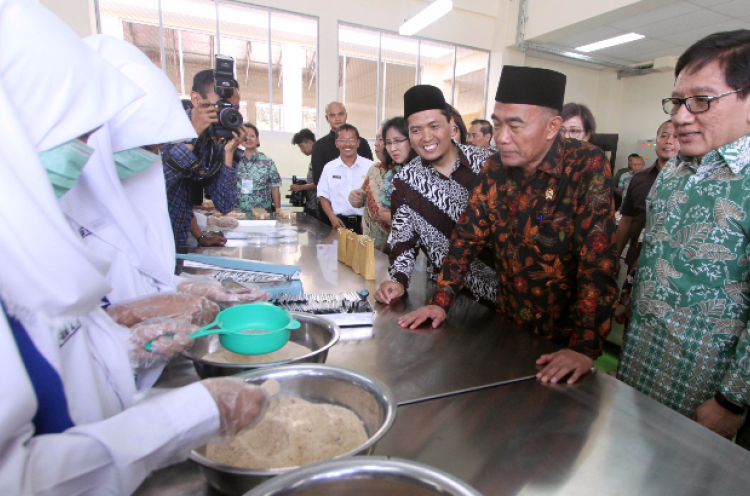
(188, 308)
(162, 348)
(223, 222)
(218, 293)
(241, 405)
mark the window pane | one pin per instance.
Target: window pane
(398, 72)
(138, 24)
(436, 64)
(295, 38)
(471, 77)
(358, 50)
(244, 36)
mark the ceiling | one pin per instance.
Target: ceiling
(669, 30)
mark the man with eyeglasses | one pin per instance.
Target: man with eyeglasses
(324, 150)
(688, 345)
(340, 177)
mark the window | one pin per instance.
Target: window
(275, 53)
(376, 68)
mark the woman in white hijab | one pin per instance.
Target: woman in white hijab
(119, 204)
(65, 362)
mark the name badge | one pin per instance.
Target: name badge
(337, 177)
(247, 186)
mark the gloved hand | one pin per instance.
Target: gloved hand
(241, 405)
(222, 222)
(214, 291)
(189, 308)
(162, 348)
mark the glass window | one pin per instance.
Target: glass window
(358, 90)
(471, 79)
(191, 38)
(376, 68)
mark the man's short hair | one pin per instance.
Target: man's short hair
(347, 127)
(486, 126)
(250, 125)
(668, 121)
(302, 136)
(633, 155)
(579, 110)
(338, 103)
(203, 82)
(730, 48)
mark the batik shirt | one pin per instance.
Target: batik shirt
(625, 183)
(688, 336)
(255, 178)
(372, 225)
(387, 190)
(425, 206)
(554, 244)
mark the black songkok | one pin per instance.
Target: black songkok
(531, 86)
(423, 97)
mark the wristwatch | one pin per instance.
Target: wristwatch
(730, 405)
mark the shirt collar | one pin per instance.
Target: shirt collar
(735, 154)
(461, 160)
(340, 162)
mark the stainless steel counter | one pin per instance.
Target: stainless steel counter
(599, 437)
(472, 348)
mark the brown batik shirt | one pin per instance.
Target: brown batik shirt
(554, 244)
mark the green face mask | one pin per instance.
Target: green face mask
(133, 161)
(64, 164)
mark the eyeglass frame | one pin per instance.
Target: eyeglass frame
(396, 142)
(347, 140)
(684, 101)
(579, 132)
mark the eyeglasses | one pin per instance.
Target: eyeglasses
(572, 132)
(394, 142)
(695, 104)
(349, 141)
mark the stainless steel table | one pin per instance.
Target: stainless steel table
(473, 348)
(599, 437)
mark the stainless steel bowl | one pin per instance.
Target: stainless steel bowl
(316, 333)
(369, 398)
(365, 476)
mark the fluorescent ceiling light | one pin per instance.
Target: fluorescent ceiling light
(432, 13)
(617, 40)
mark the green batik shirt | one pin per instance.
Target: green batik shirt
(688, 337)
(255, 178)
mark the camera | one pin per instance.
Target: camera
(229, 115)
(297, 198)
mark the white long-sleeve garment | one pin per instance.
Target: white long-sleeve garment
(53, 285)
(109, 457)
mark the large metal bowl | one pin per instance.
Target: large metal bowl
(315, 332)
(365, 476)
(371, 400)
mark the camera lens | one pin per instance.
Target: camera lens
(230, 117)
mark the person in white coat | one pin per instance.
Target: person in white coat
(68, 422)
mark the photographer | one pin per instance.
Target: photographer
(207, 159)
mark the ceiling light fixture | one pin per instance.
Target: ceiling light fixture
(432, 13)
(617, 40)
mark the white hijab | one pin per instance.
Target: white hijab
(53, 88)
(56, 89)
(129, 220)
